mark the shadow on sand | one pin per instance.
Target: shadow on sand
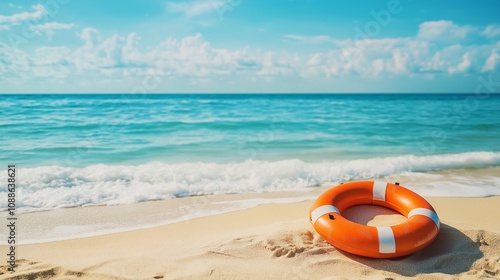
(452, 252)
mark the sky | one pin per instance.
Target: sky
(249, 46)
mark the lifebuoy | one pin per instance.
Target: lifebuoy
(418, 231)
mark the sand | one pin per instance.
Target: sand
(272, 241)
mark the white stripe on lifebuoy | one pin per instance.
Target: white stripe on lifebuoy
(322, 210)
(386, 240)
(379, 189)
(425, 212)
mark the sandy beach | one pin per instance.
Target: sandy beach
(271, 241)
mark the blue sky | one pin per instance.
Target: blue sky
(199, 46)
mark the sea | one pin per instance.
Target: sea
(74, 150)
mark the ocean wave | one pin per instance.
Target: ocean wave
(55, 186)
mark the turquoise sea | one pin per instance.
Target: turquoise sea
(74, 150)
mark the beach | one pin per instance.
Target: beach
(269, 241)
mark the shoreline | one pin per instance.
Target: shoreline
(48, 225)
(57, 187)
(58, 224)
(271, 241)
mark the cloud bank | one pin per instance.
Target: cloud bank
(439, 48)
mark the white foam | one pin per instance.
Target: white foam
(54, 186)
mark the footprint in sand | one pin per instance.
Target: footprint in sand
(291, 243)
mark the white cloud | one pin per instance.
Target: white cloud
(49, 27)
(52, 62)
(397, 56)
(190, 56)
(443, 30)
(378, 66)
(12, 5)
(194, 59)
(201, 7)
(491, 62)
(366, 57)
(36, 19)
(37, 13)
(96, 54)
(319, 39)
(463, 66)
(491, 30)
(400, 61)
(52, 55)
(273, 64)
(466, 63)
(90, 36)
(16, 63)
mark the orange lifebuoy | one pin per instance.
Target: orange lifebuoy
(420, 229)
